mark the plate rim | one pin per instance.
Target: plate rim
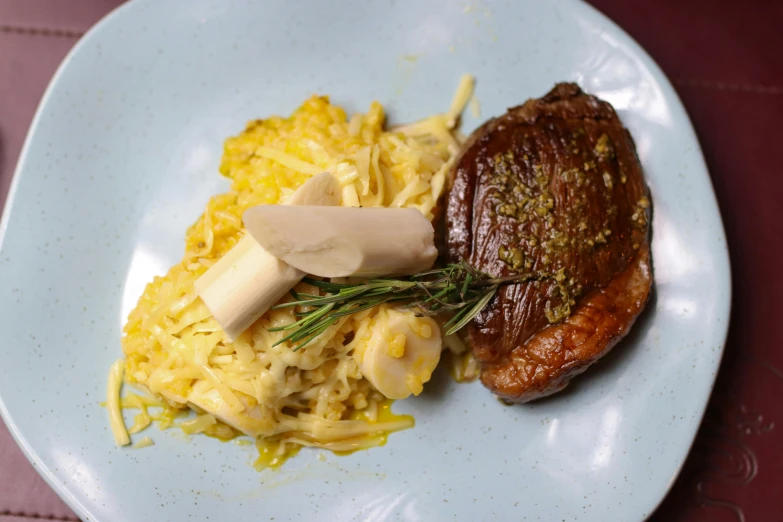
(63, 490)
(60, 488)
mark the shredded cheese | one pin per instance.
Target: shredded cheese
(225, 392)
(460, 100)
(288, 161)
(199, 424)
(145, 442)
(113, 389)
(475, 106)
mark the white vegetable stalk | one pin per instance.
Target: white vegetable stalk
(244, 284)
(343, 241)
(248, 280)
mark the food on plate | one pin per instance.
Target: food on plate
(345, 242)
(249, 375)
(248, 280)
(554, 189)
(307, 299)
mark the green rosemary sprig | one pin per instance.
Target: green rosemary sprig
(457, 288)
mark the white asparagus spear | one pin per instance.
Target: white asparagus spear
(243, 284)
(343, 241)
(247, 280)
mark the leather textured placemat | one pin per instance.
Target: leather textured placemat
(726, 60)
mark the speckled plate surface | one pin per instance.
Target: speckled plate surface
(123, 155)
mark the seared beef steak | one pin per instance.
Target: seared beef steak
(554, 189)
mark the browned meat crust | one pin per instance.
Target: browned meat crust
(552, 188)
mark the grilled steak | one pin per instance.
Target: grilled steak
(552, 189)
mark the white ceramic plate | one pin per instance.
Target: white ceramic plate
(123, 156)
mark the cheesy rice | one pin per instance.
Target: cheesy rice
(176, 351)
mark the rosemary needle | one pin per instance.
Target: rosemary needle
(457, 288)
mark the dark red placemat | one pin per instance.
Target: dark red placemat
(726, 60)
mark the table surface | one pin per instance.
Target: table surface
(724, 58)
